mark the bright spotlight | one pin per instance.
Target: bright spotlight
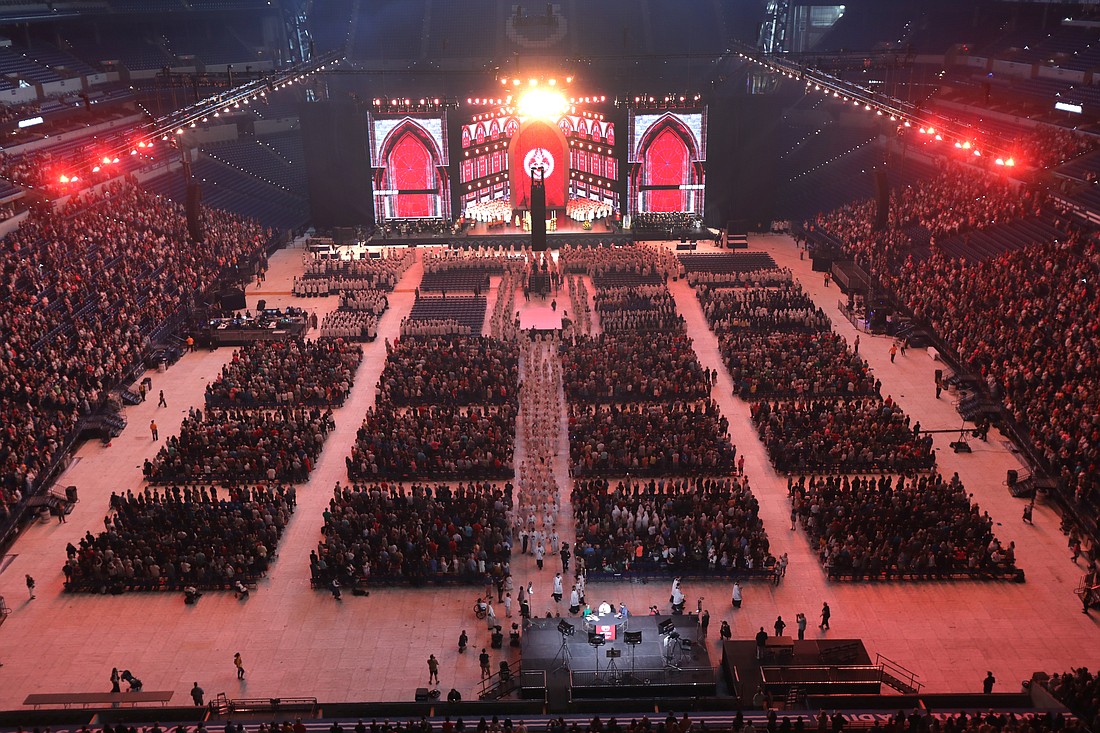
(542, 104)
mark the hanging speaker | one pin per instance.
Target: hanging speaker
(194, 212)
(882, 198)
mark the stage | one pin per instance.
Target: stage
(674, 664)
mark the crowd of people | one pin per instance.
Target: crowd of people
(957, 200)
(494, 260)
(436, 441)
(197, 536)
(795, 365)
(1022, 320)
(350, 325)
(632, 366)
(580, 307)
(1026, 322)
(238, 445)
(596, 261)
(538, 496)
(665, 220)
(1079, 689)
(898, 528)
(654, 439)
(296, 372)
(783, 308)
(387, 534)
(686, 525)
(325, 276)
(637, 308)
(579, 209)
(455, 370)
(434, 327)
(766, 278)
(845, 435)
(83, 289)
(494, 210)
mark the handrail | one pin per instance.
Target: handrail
(885, 664)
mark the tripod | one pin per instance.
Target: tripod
(614, 675)
(564, 654)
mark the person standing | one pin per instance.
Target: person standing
(704, 622)
(737, 595)
(558, 590)
(239, 664)
(565, 555)
(826, 613)
(540, 555)
(574, 601)
(433, 670)
(115, 679)
(30, 587)
(490, 615)
(161, 402)
(857, 344)
(988, 682)
(725, 632)
(893, 351)
(508, 605)
(196, 695)
(153, 430)
(463, 640)
(761, 642)
(800, 622)
(780, 625)
(483, 658)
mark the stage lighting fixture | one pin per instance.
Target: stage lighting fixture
(632, 637)
(542, 104)
(596, 639)
(566, 628)
(665, 626)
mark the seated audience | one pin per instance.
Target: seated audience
(768, 365)
(182, 537)
(451, 370)
(83, 289)
(840, 435)
(696, 525)
(890, 527)
(243, 445)
(434, 441)
(386, 534)
(628, 366)
(664, 439)
(299, 372)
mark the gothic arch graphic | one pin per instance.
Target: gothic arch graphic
(411, 161)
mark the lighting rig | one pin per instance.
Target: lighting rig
(162, 130)
(908, 117)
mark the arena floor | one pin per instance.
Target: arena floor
(296, 641)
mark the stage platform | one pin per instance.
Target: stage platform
(653, 668)
(482, 235)
(743, 672)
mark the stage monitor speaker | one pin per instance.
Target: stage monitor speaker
(233, 300)
(882, 199)
(538, 214)
(195, 226)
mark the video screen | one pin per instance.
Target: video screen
(667, 156)
(410, 166)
